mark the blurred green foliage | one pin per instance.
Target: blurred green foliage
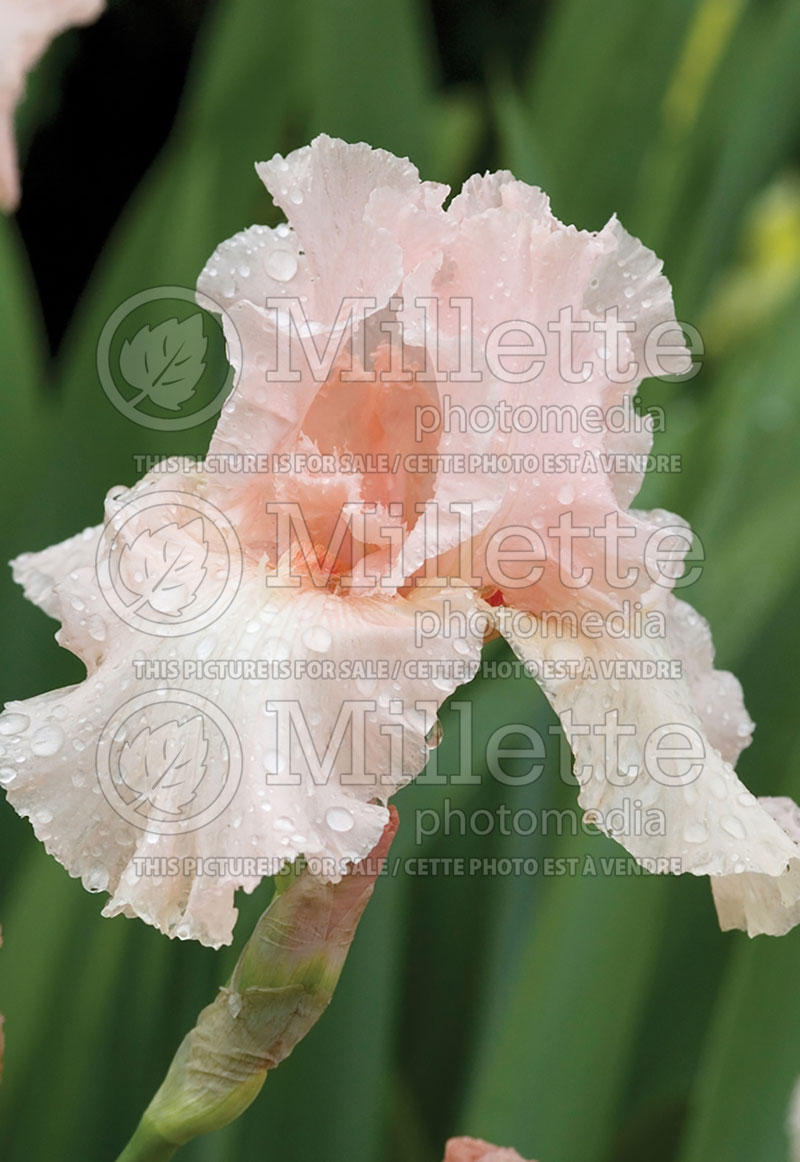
(580, 1019)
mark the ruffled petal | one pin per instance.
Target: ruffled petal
(491, 190)
(511, 259)
(352, 235)
(762, 904)
(278, 727)
(647, 760)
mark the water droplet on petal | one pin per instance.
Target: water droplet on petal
(434, 735)
(318, 639)
(96, 879)
(47, 741)
(695, 833)
(281, 265)
(339, 819)
(97, 628)
(734, 827)
(14, 723)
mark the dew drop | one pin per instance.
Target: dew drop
(96, 879)
(97, 628)
(734, 827)
(318, 639)
(47, 741)
(339, 819)
(434, 735)
(717, 787)
(281, 265)
(14, 723)
(695, 833)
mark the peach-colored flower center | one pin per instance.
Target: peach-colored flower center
(369, 427)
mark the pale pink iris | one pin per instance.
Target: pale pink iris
(363, 226)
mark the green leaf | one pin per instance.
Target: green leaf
(751, 1063)
(572, 1001)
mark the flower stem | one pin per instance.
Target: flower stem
(147, 1145)
(280, 987)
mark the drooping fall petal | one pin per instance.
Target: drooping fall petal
(290, 717)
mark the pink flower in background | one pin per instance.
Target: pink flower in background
(26, 29)
(475, 1150)
(415, 507)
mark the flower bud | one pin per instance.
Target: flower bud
(281, 985)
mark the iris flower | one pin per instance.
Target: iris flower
(383, 466)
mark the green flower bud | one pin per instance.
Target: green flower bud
(280, 987)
